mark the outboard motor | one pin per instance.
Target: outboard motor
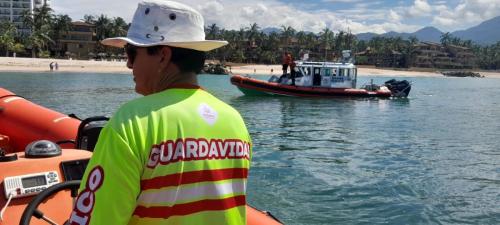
(399, 88)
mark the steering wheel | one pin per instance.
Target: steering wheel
(32, 208)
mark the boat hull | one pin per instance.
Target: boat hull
(251, 86)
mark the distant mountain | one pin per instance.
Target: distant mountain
(366, 36)
(488, 32)
(270, 30)
(428, 34)
(425, 34)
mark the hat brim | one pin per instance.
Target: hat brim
(203, 46)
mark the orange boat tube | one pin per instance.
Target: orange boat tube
(23, 122)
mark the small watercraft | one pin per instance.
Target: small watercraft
(43, 155)
(321, 79)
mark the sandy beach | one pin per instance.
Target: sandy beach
(9, 64)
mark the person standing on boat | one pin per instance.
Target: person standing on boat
(285, 62)
(178, 155)
(292, 70)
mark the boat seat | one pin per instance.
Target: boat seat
(88, 132)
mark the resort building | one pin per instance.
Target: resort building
(12, 10)
(79, 42)
(434, 55)
(423, 54)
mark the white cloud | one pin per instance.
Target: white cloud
(78, 8)
(344, 1)
(394, 16)
(420, 8)
(236, 14)
(466, 14)
(215, 7)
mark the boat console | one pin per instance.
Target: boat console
(26, 177)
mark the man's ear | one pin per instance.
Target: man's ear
(165, 56)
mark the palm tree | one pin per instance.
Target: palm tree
(253, 30)
(212, 32)
(60, 24)
(446, 38)
(90, 19)
(326, 37)
(103, 27)
(40, 23)
(286, 35)
(7, 33)
(118, 27)
(409, 50)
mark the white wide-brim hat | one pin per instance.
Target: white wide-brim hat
(158, 22)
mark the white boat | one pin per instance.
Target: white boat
(322, 79)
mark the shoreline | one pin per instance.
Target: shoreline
(10, 64)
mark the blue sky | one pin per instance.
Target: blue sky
(358, 16)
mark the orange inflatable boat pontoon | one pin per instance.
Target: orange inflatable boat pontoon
(23, 122)
(46, 176)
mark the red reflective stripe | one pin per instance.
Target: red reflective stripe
(189, 208)
(194, 177)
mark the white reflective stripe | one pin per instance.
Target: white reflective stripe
(185, 194)
(10, 99)
(59, 119)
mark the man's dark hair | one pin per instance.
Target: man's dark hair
(187, 60)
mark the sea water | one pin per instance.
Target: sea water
(433, 158)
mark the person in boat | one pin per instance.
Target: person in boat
(177, 155)
(285, 63)
(292, 70)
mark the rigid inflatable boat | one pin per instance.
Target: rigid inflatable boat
(251, 86)
(39, 185)
(321, 79)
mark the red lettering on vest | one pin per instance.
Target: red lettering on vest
(197, 149)
(86, 199)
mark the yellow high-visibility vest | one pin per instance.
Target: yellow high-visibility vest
(180, 156)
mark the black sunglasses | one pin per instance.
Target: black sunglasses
(131, 52)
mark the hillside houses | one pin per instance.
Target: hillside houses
(423, 54)
(433, 55)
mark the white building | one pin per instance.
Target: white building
(11, 10)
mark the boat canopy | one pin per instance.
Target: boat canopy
(327, 74)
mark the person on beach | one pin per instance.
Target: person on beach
(56, 66)
(177, 155)
(51, 66)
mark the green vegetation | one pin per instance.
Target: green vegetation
(250, 45)
(247, 45)
(7, 35)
